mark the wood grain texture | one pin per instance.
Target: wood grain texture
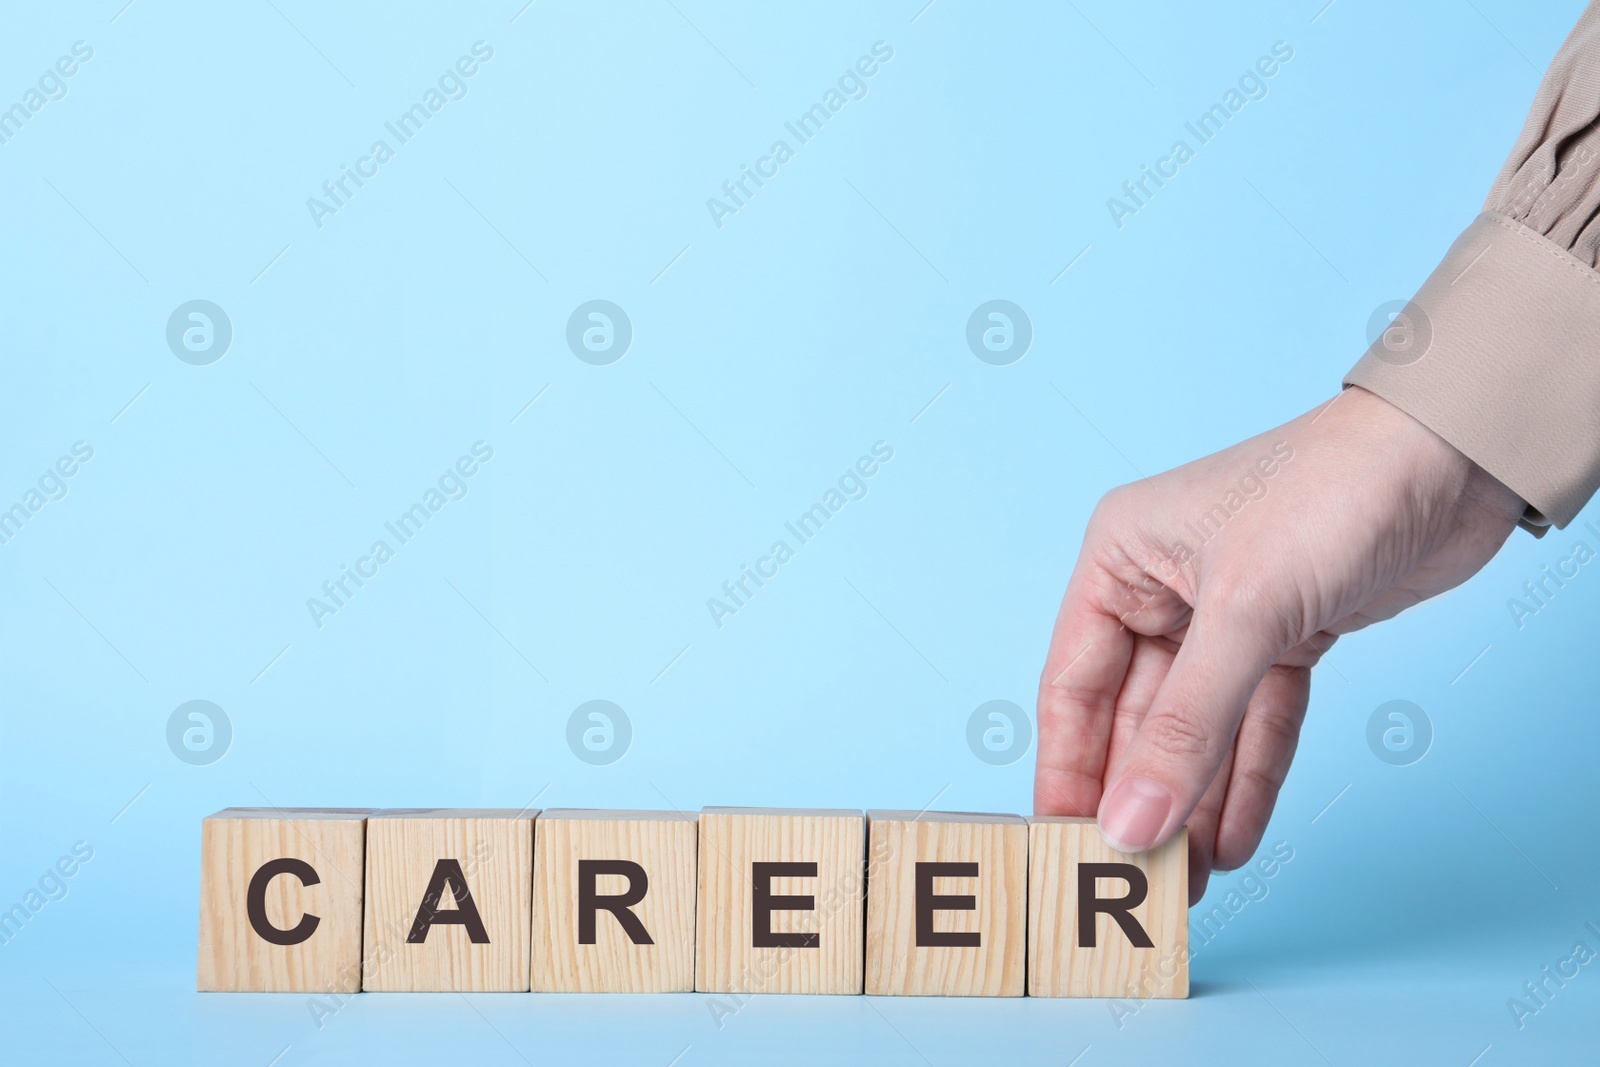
(896, 965)
(664, 845)
(1057, 965)
(731, 841)
(494, 849)
(234, 844)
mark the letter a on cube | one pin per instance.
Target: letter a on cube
(780, 907)
(1104, 923)
(613, 901)
(946, 903)
(449, 900)
(280, 900)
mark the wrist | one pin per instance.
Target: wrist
(1429, 456)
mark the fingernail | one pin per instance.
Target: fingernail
(1134, 813)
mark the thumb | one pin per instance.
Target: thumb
(1189, 728)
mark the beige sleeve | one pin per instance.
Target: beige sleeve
(1499, 351)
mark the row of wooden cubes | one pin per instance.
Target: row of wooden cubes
(729, 900)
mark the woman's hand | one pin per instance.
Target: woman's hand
(1180, 667)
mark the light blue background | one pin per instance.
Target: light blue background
(768, 355)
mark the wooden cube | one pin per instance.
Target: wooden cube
(449, 900)
(947, 903)
(780, 903)
(280, 900)
(613, 901)
(1104, 923)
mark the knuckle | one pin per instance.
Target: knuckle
(1263, 783)
(1115, 499)
(1113, 506)
(1177, 735)
(1283, 734)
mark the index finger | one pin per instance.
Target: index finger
(1083, 672)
